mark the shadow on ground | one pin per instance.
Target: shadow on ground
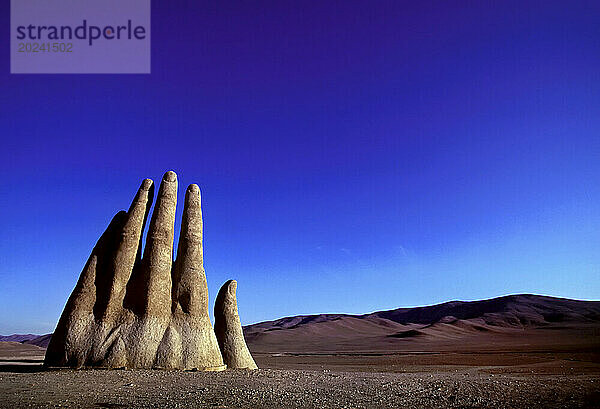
(21, 365)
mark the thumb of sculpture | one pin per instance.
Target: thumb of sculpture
(228, 329)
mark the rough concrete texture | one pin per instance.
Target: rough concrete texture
(229, 329)
(142, 312)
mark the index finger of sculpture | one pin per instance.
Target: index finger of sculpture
(158, 254)
(138, 212)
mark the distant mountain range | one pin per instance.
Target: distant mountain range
(450, 323)
(17, 337)
(538, 317)
(31, 339)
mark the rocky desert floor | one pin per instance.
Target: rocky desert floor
(524, 378)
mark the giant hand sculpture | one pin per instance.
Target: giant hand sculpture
(147, 312)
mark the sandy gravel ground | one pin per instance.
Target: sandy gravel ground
(268, 388)
(407, 380)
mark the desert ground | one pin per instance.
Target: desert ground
(449, 356)
(528, 379)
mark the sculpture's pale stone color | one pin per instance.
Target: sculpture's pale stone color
(229, 329)
(142, 312)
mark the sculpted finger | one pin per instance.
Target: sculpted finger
(67, 345)
(190, 291)
(128, 250)
(228, 329)
(158, 254)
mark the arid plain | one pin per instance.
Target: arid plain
(515, 351)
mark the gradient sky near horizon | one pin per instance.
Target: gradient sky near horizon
(353, 156)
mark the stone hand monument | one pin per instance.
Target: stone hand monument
(134, 311)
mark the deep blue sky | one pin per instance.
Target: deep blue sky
(353, 156)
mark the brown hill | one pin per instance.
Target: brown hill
(17, 337)
(40, 341)
(28, 339)
(526, 320)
